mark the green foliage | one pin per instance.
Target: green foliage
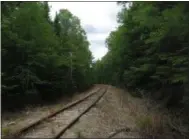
(37, 50)
(149, 49)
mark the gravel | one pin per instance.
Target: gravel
(54, 125)
(109, 115)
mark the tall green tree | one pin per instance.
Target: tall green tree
(51, 56)
(149, 49)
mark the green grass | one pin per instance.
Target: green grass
(5, 131)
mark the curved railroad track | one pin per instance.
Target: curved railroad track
(55, 124)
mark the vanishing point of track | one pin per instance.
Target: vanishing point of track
(57, 122)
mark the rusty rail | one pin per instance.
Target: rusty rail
(26, 128)
(77, 118)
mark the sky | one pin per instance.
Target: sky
(97, 18)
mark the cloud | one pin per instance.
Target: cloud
(96, 29)
(99, 51)
(98, 42)
(97, 36)
(97, 18)
(90, 28)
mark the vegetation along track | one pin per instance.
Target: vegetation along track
(55, 124)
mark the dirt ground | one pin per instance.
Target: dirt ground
(116, 111)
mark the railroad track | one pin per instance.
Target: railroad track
(55, 124)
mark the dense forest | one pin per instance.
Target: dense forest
(39, 54)
(46, 59)
(149, 50)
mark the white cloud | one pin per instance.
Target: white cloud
(99, 51)
(97, 36)
(97, 18)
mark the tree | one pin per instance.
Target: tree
(36, 51)
(149, 49)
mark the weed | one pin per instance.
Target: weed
(79, 135)
(53, 131)
(5, 131)
(151, 124)
(133, 109)
(51, 111)
(59, 106)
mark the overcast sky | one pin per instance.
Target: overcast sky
(97, 18)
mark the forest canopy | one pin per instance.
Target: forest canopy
(50, 55)
(149, 49)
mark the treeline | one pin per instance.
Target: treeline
(38, 53)
(149, 50)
